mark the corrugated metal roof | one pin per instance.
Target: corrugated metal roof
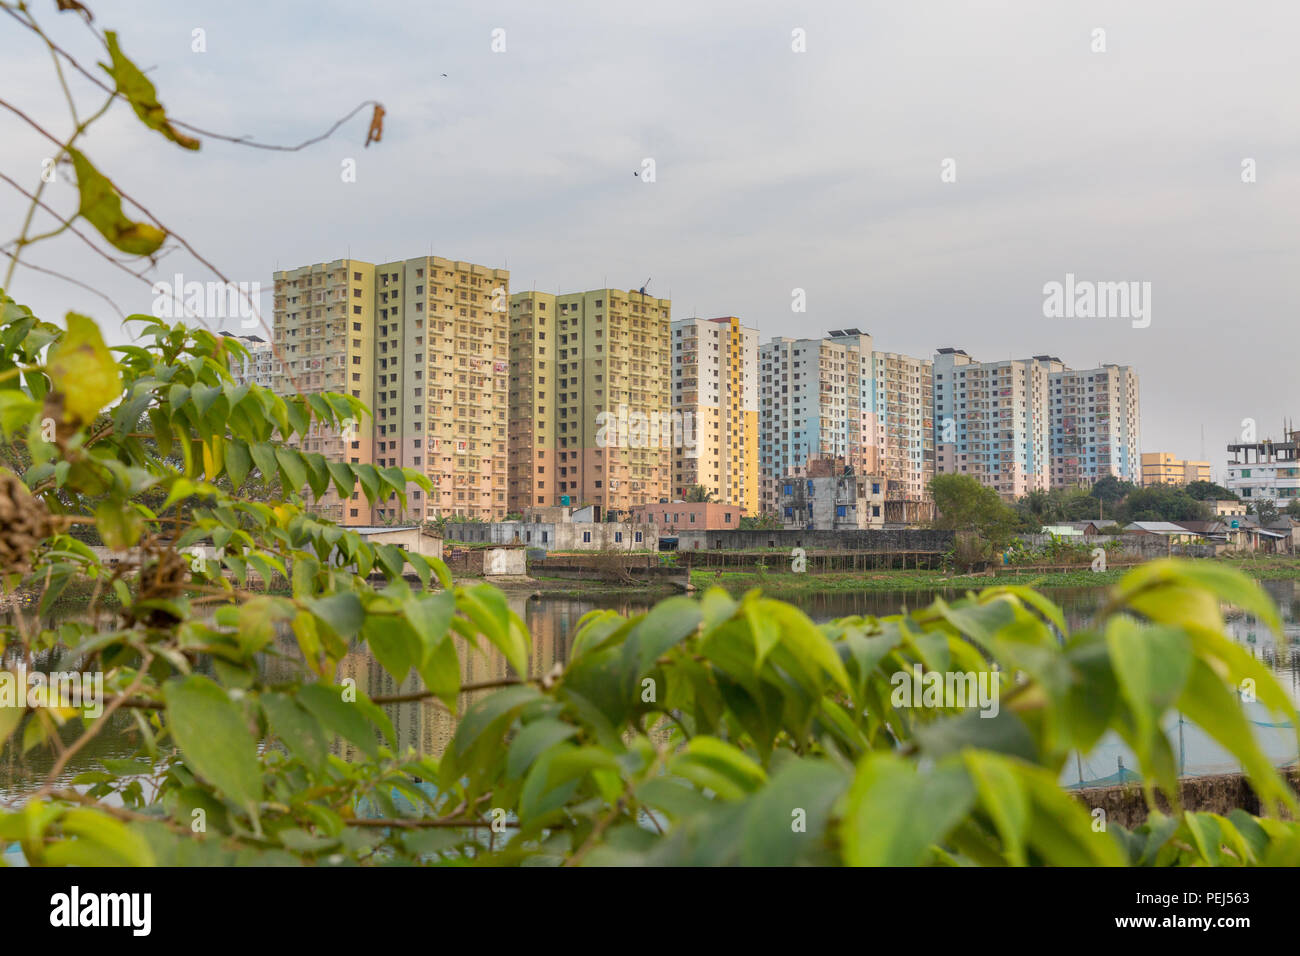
(1158, 527)
(378, 529)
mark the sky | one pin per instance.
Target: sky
(920, 170)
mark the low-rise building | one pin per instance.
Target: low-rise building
(556, 528)
(832, 503)
(1265, 470)
(674, 516)
(1227, 507)
(259, 366)
(1174, 533)
(1162, 468)
(410, 538)
(1086, 529)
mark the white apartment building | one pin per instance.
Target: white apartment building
(1095, 419)
(715, 393)
(1266, 470)
(992, 422)
(260, 366)
(837, 397)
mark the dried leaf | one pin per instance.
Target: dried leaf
(376, 131)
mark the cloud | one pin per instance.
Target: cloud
(775, 169)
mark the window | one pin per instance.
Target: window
(586, 536)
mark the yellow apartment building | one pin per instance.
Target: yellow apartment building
(323, 328)
(589, 399)
(1162, 468)
(423, 342)
(715, 395)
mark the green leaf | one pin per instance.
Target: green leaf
(430, 615)
(341, 474)
(297, 728)
(238, 463)
(394, 643)
(101, 206)
(369, 478)
(1208, 702)
(484, 713)
(10, 718)
(341, 612)
(100, 841)
(441, 672)
(141, 94)
(345, 718)
(806, 642)
(1176, 591)
(214, 738)
(291, 468)
(718, 766)
(786, 821)
(264, 458)
(1151, 665)
(894, 814)
(532, 740)
(119, 527)
(83, 370)
(486, 607)
(1003, 799)
(318, 476)
(667, 624)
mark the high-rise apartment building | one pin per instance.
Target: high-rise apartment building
(816, 400)
(589, 398)
(259, 366)
(991, 422)
(323, 327)
(837, 397)
(1162, 468)
(904, 414)
(423, 342)
(1095, 421)
(715, 397)
(442, 384)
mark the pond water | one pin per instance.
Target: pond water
(427, 726)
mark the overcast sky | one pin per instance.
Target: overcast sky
(774, 169)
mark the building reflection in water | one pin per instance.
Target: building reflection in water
(427, 727)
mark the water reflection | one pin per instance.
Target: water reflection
(427, 726)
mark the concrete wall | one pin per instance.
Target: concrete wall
(1215, 793)
(412, 540)
(504, 561)
(882, 541)
(565, 536)
(1144, 546)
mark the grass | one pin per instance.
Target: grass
(786, 582)
(1262, 567)
(1268, 567)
